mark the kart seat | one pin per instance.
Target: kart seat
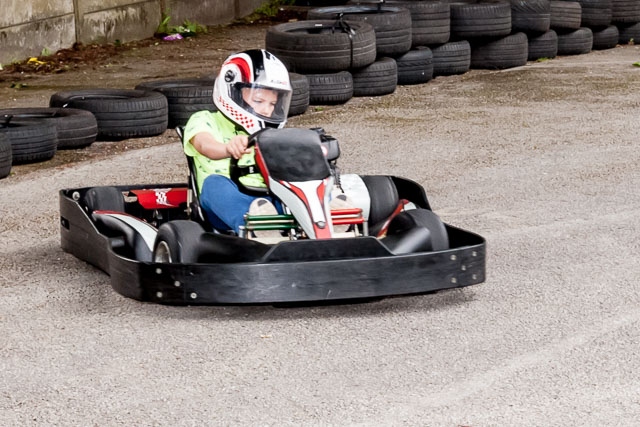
(193, 198)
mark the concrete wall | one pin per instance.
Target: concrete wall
(28, 27)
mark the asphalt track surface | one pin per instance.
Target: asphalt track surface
(541, 160)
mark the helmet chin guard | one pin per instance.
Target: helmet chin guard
(246, 74)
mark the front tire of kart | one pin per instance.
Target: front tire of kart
(384, 200)
(422, 218)
(177, 242)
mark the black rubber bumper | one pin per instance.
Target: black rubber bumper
(277, 280)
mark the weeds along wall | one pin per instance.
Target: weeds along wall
(33, 27)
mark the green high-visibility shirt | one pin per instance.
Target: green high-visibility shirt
(222, 129)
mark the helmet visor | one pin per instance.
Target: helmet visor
(269, 104)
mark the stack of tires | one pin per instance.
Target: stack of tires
(344, 51)
(30, 135)
(625, 15)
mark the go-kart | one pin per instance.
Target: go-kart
(157, 245)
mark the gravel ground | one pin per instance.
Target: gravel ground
(542, 160)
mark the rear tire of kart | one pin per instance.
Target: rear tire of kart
(120, 113)
(330, 89)
(104, 199)
(377, 79)
(321, 46)
(31, 142)
(177, 242)
(422, 218)
(300, 94)
(6, 156)
(384, 200)
(451, 58)
(184, 97)
(75, 128)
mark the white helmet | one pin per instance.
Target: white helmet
(249, 74)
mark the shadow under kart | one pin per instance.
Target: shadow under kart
(155, 246)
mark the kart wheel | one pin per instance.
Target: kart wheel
(104, 199)
(422, 218)
(177, 242)
(384, 199)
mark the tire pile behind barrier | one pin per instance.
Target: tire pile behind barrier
(30, 135)
(441, 38)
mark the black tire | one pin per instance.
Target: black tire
(392, 25)
(451, 58)
(384, 200)
(6, 155)
(469, 21)
(330, 89)
(184, 97)
(300, 94)
(31, 142)
(506, 52)
(629, 33)
(543, 46)
(430, 20)
(120, 113)
(75, 128)
(576, 42)
(322, 46)
(415, 66)
(177, 242)
(422, 218)
(104, 199)
(605, 38)
(530, 16)
(565, 15)
(625, 11)
(596, 13)
(379, 78)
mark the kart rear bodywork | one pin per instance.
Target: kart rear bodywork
(297, 271)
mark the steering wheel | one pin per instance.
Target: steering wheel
(237, 171)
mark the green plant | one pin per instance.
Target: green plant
(271, 8)
(45, 52)
(188, 28)
(636, 64)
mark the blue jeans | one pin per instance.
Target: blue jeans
(224, 204)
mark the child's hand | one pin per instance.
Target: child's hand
(237, 146)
